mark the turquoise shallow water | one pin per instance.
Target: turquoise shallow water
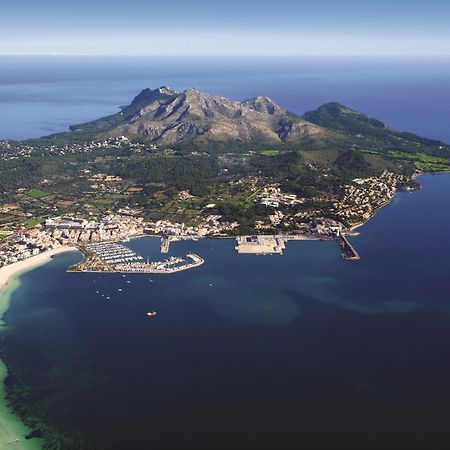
(303, 350)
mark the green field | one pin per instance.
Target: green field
(432, 167)
(270, 152)
(419, 157)
(423, 161)
(36, 193)
(33, 222)
(3, 236)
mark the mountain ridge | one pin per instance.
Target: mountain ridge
(195, 120)
(165, 116)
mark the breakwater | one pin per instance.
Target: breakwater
(348, 252)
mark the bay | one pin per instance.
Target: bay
(303, 350)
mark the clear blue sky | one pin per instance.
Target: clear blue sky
(342, 27)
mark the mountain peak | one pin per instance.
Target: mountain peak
(147, 96)
(264, 104)
(339, 117)
(167, 90)
(165, 116)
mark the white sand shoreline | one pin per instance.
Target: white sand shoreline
(12, 429)
(10, 270)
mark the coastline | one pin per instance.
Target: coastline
(386, 203)
(12, 430)
(354, 227)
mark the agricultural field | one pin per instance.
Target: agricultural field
(422, 161)
(38, 194)
(270, 152)
(33, 222)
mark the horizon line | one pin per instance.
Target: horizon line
(270, 55)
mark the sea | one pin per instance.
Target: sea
(41, 95)
(296, 351)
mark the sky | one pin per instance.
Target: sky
(225, 27)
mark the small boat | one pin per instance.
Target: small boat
(151, 313)
(108, 298)
(120, 290)
(128, 281)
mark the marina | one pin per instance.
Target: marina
(116, 257)
(114, 253)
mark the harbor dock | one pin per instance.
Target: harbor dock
(276, 244)
(260, 245)
(268, 244)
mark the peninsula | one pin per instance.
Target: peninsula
(189, 164)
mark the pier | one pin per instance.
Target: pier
(165, 244)
(348, 252)
(171, 265)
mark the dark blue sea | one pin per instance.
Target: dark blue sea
(299, 351)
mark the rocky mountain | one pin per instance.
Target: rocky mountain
(166, 117)
(193, 118)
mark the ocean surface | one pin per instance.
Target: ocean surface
(42, 95)
(303, 350)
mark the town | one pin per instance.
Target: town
(362, 198)
(59, 231)
(16, 150)
(366, 195)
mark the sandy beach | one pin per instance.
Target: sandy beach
(12, 430)
(12, 269)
